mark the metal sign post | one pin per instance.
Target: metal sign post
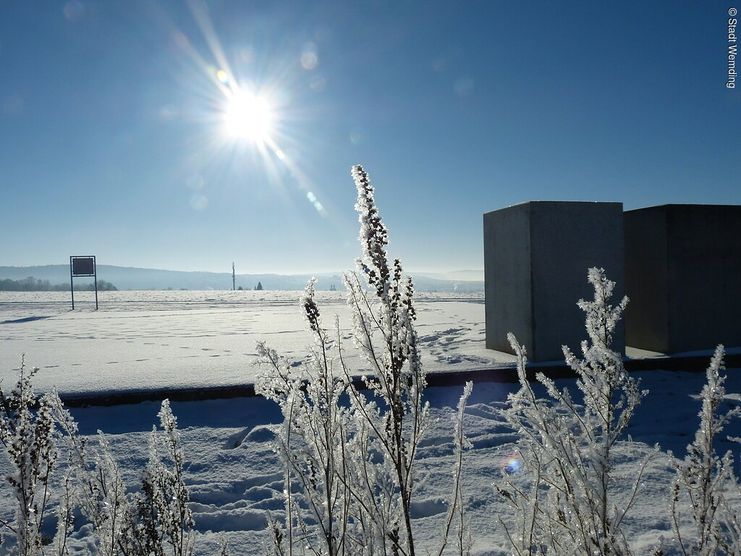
(82, 266)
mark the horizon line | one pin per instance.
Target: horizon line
(228, 272)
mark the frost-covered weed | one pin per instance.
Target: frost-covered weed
(27, 435)
(703, 477)
(311, 442)
(349, 454)
(383, 330)
(566, 505)
(159, 521)
(35, 430)
(455, 518)
(93, 484)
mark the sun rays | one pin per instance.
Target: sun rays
(246, 105)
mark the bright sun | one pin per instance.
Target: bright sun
(248, 116)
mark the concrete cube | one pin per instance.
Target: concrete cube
(536, 257)
(683, 277)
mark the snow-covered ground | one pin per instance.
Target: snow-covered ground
(161, 339)
(148, 339)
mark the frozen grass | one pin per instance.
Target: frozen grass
(234, 474)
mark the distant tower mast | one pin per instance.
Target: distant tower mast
(234, 278)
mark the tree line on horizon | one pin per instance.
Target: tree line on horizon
(31, 284)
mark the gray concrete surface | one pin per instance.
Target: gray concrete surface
(536, 257)
(683, 277)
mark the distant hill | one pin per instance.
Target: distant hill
(454, 275)
(130, 278)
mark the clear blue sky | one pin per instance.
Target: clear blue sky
(113, 142)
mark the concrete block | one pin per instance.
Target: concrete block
(536, 257)
(683, 277)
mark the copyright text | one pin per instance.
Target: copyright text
(732, 48)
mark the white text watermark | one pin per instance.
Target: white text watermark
(732, 48)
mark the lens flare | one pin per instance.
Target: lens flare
(222, 76)
(512, 464)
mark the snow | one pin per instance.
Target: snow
(175, 339)
(171, 339)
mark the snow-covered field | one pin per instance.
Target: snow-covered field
(172, 339)
(160, 339)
